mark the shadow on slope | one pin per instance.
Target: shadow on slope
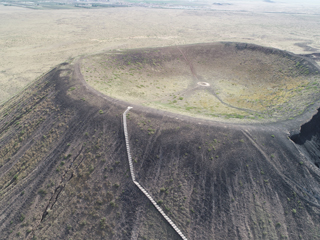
(309, 139)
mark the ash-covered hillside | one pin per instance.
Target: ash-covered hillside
(64, 172)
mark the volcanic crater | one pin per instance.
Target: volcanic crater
(243, 81)
(64, 171)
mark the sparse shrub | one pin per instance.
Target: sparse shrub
(15, 177)
(42, 192)
(91, 168)
(103, 223)
(151, 131)
(22, 217)
(294, 211)
(100, 111)
(83, 223)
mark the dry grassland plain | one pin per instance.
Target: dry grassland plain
(33, 41)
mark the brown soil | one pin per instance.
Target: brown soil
(64, 172)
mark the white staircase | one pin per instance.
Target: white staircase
(138, 185)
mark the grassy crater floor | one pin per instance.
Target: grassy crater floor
(244, 81)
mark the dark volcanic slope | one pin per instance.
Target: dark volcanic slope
(64, 172)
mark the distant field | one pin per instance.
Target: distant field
(32, 41)
(243, 81)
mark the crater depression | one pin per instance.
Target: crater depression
(216, 81)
